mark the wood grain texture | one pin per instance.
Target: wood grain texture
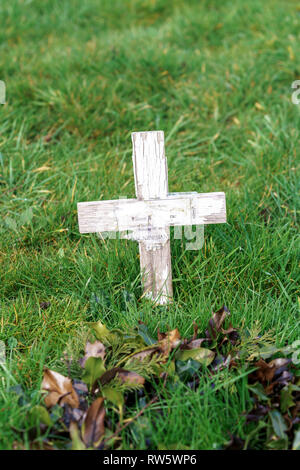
(132, 214)
(149, 165)
(151, 182)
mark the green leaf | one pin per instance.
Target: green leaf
(202, 355)
(277, 444)
(296, 441)
(114, 396)
(107, 336)
(145, 334)
(101, 331)
(268, 351)
(186, 369)
(93, 369)
(278, 424)
(39, 413)
(134, 340)
(258, 390)
(77, 443)
(170, 368)
(286, 398)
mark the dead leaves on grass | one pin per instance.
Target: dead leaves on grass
(125, 376)
(93, 427)
(168, 341)
(275, 388)
(215, 327)
(60, 390)
(119, 362)
(113, 365)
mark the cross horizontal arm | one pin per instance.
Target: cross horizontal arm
(131, 214)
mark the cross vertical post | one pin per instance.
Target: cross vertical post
(151, 182)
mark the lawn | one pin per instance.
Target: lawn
(82, 75)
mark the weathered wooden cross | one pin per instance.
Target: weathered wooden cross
(150, 216)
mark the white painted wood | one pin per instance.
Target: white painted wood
(149, 217)
(151, 182)
(133, 214)
(149, 165)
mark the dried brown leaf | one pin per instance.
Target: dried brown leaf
(268, 371)
(130, 377)
(93, 427)
(195, 343)
(60, 389)
(168, 341)
(216, 322)
(265, 371)
(96, 349)
(124, 375)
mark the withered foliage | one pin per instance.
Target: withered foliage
(118, 367)
(275, 390)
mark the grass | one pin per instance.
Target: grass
(80, 77)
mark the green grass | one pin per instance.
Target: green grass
(80, 77)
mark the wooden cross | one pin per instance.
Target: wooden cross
(150, 216)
